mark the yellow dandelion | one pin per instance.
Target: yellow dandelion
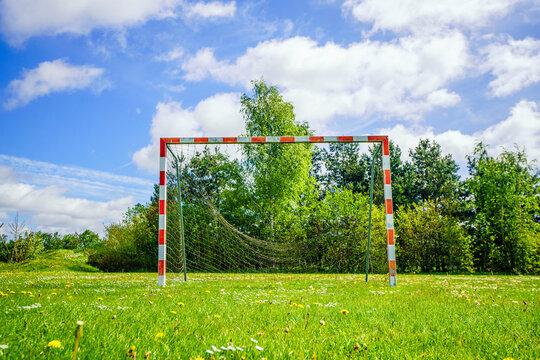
(173, 312)
(53, 293)
(100, 298)
(29, 292)
(180, 304)
(207, 291)
(344, 311)
(169, 296)
(23, 292)
(12, 292)
(300, 306)
(159, 335)
(54, 344)
(217, 316)
(199, 358)
(314, 357)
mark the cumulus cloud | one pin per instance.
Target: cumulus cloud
(515, 64)
(521, 127)
(405, 77)
(211, 9)
(52, 209)
(22, 19)
(50, 77)
(427, 15)
(218, 115)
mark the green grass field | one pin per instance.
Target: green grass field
(229, 316)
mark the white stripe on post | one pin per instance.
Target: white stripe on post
(386, 162)
(162, 252)
(162, 222)
(163, 192)
(387, 191)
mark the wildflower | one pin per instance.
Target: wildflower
(314, 357)
(217, 316)
(207, 291)
(159, 335)
(100, 298)
(180, 304)
(3, 347)
(131, 351)
(255, 341)
(300, 306)
(199, 358)
(344, 311)
(322, 322)
(173, 312)
(54, 344)
(53, 293)
(258, 348)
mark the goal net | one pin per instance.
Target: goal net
(271, 204)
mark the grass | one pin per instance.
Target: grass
(267, 316)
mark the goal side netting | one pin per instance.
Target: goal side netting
(269, 204)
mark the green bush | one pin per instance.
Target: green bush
(429, 240)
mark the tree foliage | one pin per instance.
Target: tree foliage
(505, 198)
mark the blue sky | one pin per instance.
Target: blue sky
(89, 86)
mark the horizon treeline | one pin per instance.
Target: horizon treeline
(319, 206)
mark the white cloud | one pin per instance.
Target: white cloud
(52, 210)
(22, 19)
(172, 55)
(522, 127)
(218, 115)
(516, 64)
(211, 9)
(427, 15)
(53, 76)
(404, 78)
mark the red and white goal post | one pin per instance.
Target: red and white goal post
(164, 142)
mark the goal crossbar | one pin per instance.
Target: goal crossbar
(382, 139)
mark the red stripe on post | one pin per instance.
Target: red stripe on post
(316, 138)
(386, 147)
(377, 138)
(162, 207)
(286, 139)
(345, 138)
(387, 178)
(389, 206)
(200, 140)
(258, 139)
(162, 178)
(392, 267)
(161, 267)
(162, 237)
(230, 139)
(390, 236)
(163, 147)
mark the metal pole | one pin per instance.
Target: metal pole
(181, 216)
(370, 206)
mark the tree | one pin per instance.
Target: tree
(505, 195)
(434, 176)
(280, 172)
(430, 240)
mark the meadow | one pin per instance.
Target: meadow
(255, 316)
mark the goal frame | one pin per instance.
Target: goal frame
(387, 183)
